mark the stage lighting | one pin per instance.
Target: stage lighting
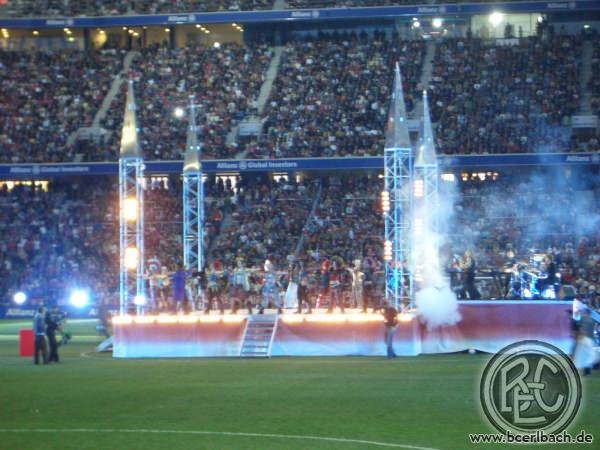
(416, 24)
(79, 298)
(387, 250)
(418, 188)
(20, 298)
(131, 258)
(179, 112)
(130, 209)
(385, 201)
(437, 22)
(139, 300)
(217, 45)
(496, 18)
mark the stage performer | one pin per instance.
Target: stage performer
(390, 316)
(302, 277)
(323, 282)
(213, 293)
(153, 277)
(270, 288)
(240, 286)
(357, 286)
(179, 299)
(468, 268)
(335, 286)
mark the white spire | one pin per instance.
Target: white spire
(396, 134)
(130, 146)
(426, 152)
(192, 147)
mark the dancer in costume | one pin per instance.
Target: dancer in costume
(270, 288)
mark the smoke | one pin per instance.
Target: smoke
(437, 306)
(435, 301)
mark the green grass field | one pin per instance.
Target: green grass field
(91, 401)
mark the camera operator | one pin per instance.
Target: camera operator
(54, 320)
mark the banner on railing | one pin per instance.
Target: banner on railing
(454, 162)
(246, 17)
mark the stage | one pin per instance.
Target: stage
(485, 326)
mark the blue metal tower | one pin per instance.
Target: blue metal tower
(193, 197)
(131, 213)
(426, 206)
(397, 203)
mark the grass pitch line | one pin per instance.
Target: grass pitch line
(217, 433)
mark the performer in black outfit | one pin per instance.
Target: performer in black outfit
(468, 268)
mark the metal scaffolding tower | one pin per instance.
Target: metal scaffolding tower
(426, 203)
(193, 198)
(131, 213)
(397, 203)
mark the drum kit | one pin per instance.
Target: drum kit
(527, 280)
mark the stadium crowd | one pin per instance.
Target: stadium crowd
(223, 80)
(47, 96)
(331, 94)
(120, 7)
(329, 98)
(505, 97)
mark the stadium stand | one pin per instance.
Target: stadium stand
(505, 97)
(20, 8)
(224, 82)
(47, 96)
(330, 96)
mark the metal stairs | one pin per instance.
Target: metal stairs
(258, 336)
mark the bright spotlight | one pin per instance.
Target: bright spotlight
(496, 18)
(20, 298)
(416, 24)
(131, 258)
(179, 112)
(437, 22)
(130, 209)
(217, 45)
(79, 298)
(139, 300)
(540, 19)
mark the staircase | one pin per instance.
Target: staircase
(258, 336)
(114, 88)
(260, 101)
(585, 105)
(426, 73)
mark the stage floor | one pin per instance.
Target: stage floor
(485, 325)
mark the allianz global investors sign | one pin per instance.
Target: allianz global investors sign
(530, 387)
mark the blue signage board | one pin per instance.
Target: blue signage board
(245, 17)
(450, 162)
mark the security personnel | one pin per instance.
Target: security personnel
(39, 330)
(53, 323)
(390, 316)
